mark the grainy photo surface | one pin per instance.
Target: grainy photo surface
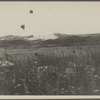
(50, 48)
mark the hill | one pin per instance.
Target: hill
(16, 37)
(72, 40)
(61, 40)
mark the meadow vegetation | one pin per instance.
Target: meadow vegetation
(72, 70)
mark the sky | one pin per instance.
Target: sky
(49, 18)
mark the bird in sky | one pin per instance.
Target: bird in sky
(31, 11)
(23, 27)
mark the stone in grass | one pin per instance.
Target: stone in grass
(7, 64)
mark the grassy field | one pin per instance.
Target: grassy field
(51, 71)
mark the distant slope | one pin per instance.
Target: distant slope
(61, 40)
(15, 43)
(71, 40)
(12, 37)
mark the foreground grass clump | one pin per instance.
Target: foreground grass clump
(53, 73)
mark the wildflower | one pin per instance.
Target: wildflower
(30, 80)
(18, 85)
(33, 67)
(64, 76)
(13, 81)
(95, 76)
(90, 68)
(66, 91)
(82, 53)
(69, 86)
(16, 93)
(62, 89)
(69, 71)
(72, 64)
(74, 93)
(97, 90)
(0, 62)
(46, 66)
(72, 87)
(1, 72)
(98, 77)
(93, 69)
(7, 70)
(35, 62)
(42, 68)
(27, 92)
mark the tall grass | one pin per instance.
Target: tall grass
(55, 71)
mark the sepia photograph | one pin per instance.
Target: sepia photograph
(49, 48)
